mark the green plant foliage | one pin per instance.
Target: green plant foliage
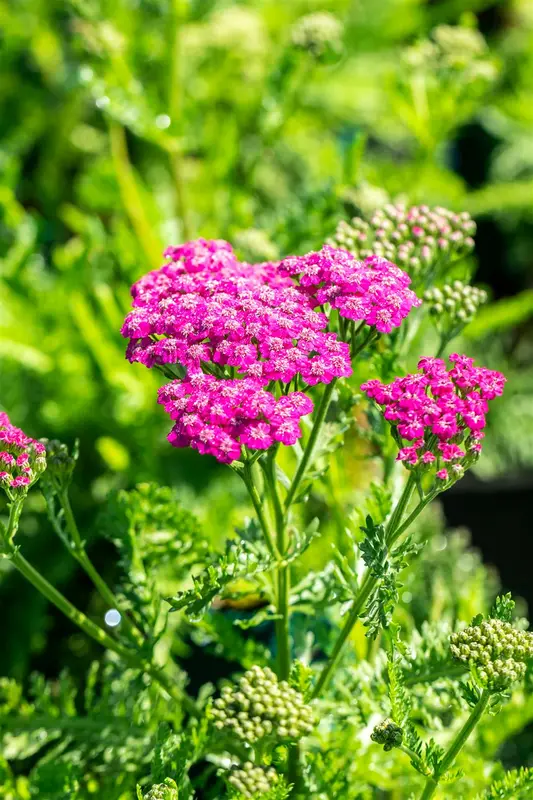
(278, 126)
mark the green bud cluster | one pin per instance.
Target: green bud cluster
(61, 463)
(415, 237)
(251, 780)
(259, 705)
(498, 652)
(320, 34)
(455, 53)
(163, 791)
(459, 45)
(387, 733)
(455, 304)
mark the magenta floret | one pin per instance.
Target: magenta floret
(374, 291)
(217, 417)
(21, 457)
(438, 415)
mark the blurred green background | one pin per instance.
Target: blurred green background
(128, 125)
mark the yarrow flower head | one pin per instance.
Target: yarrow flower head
(496, 650)
(259, 705)
(217, 417)
(374, 291)
(415, 237)
(437, 416)
(251, 780)
(22, 459)
(205, 307)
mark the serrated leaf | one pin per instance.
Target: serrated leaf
(503, 608)
(242, 559)
(517, 784)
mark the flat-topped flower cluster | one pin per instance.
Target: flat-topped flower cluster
(374, 291)
(217, 416)
(21, 457)
(250, 326)
(208, 308)
(437, 416)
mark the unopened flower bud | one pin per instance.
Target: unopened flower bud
(259, 705)
(163, 791)
(387, 733)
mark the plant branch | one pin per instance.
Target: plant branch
(456, 746)
(311, 444)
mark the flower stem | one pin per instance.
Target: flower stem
(77, 550)
(311, 444)
(90, 628)
(283, 572)
(368, 585)
(257, 503)
(399, 510)
(456, 746)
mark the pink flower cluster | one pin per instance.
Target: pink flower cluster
(374, 291)
(21, 458)
(217, 416)
(206, 307)
(440, 412)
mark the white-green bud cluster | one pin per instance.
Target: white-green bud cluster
(498, 652)
(415, 237)
(455, 53)
(163, 791)
(455, 304)
(251, 780)
(320, 34)
(387, 733)
(259, 705)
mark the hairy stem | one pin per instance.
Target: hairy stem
(456, 746)
(311, 444)
(270, 537)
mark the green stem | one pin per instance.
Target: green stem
(368, 585)
(412, 516)
(84, 623)
(399, 510)
(79, 553)
(411, 753)
(456, 746)
(95, 632)
(248, 479)
(283, 572)
(66, 607)
(311, 444)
